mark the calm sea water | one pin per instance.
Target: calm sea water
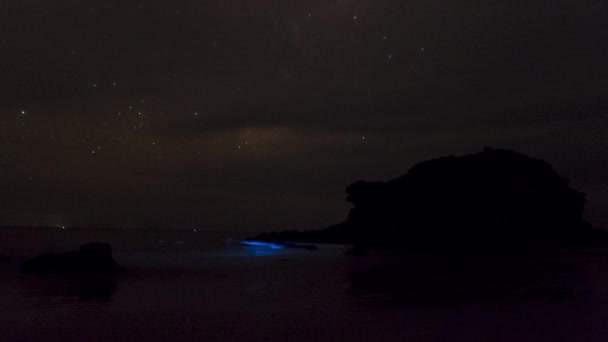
(187, 286)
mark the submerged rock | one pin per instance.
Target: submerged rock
(94, 257)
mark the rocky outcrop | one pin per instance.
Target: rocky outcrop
(495, 197)
(492, 197)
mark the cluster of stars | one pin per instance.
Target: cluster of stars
(135, 123)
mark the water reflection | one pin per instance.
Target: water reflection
(260, 251)
(443, 278)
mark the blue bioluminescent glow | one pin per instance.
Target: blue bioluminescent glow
(262, 244)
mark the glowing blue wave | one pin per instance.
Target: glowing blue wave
(263, 244)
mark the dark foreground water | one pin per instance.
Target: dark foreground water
(188, 286)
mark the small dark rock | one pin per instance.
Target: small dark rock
(4, 258)
(95, 257)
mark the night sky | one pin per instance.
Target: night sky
(255, 115)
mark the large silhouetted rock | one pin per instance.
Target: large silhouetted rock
(95, 257)
(495, 197)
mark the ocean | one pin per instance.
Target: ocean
(205, 286)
